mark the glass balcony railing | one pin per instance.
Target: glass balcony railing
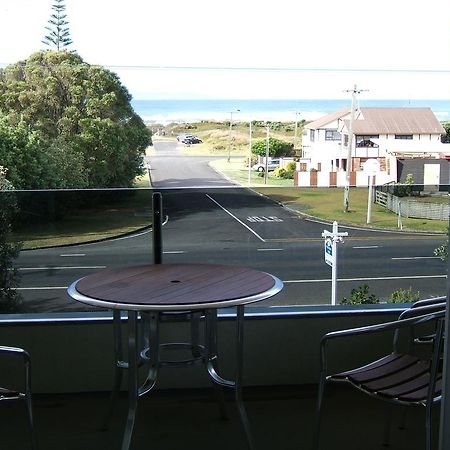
(52, 238)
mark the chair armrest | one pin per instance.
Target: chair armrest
(429, 301)
(20, 352)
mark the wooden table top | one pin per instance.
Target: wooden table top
(174, 287)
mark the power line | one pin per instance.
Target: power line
(260, 69)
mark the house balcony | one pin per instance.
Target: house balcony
(66, 235)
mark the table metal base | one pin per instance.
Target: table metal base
(144, 350)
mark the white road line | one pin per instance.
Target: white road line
(72, 254)
(418, 257)
(367, 246)
(174, 252)
(61, 267)
(42, 288)
(270, 249)
(412, 277)
(235, 218)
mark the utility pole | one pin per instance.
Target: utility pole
(353, 91)
(296, 129)
(230, 137)
(267, 152)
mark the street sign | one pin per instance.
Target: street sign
(331, 239)
(328, 247)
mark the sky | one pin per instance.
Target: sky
(288, 49)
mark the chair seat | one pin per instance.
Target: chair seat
(399, 377)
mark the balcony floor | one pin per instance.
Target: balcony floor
(282, 418)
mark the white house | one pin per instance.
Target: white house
(387, 135)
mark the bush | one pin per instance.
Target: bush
(404, 296)
(360, 296)
(291, 166)
(288, 175)
(279, 172)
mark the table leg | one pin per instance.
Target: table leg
(212, 366)
(239, 376)
(118, 366)
(132, 379)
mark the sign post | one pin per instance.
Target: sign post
(330, 254)
(371, 167)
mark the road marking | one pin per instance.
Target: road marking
(61, 267)
(366, 246)
(234, 217)
(418, 257)
(270, 249)
(412, 277)
(43, 288)
(72, 254)
(174, 252)
(264, 219)
(325, 280)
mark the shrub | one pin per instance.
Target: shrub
(288, 175)
(279, 172)
(360, 296)
(291, 166)
(404, 296)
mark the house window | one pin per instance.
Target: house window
(404, 136)
(332, 135)
(345, 140)
(311, 135)
(366, 140)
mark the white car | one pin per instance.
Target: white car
(271, 165)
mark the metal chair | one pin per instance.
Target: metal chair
(401, 377)
(10, 394)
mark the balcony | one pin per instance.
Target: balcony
(66, 235)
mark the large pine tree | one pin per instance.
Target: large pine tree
(59, 35)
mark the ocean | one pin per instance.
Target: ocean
(167, 111)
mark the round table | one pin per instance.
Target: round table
(158, 288)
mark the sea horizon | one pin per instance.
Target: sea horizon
(195, 110)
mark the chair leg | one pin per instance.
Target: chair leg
(428, 426)
(387, 428)
(320, 397)
(29, 406)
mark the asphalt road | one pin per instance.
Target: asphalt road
(211, 220)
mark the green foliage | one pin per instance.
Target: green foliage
(405, 189)
(360, 296)
(10, 298)
(446, 139)
(277, 148)
(59, 35)
(279, 172)
(404, 296)
(67, 124)
(291, 166)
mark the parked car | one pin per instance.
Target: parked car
(271, 165)
(191, 140)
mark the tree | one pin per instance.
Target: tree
(276, 148)
(59, 35)
(10, 298)
(446, 139)
(67, 124)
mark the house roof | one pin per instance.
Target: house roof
(319, 123)
(396, 121)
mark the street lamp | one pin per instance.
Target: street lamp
(296, 129)
(267, 152)
(230, 134)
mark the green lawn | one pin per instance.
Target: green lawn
(327, 204)
(89, 224)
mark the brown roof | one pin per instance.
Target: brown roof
(319, 123)
(396, 121)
